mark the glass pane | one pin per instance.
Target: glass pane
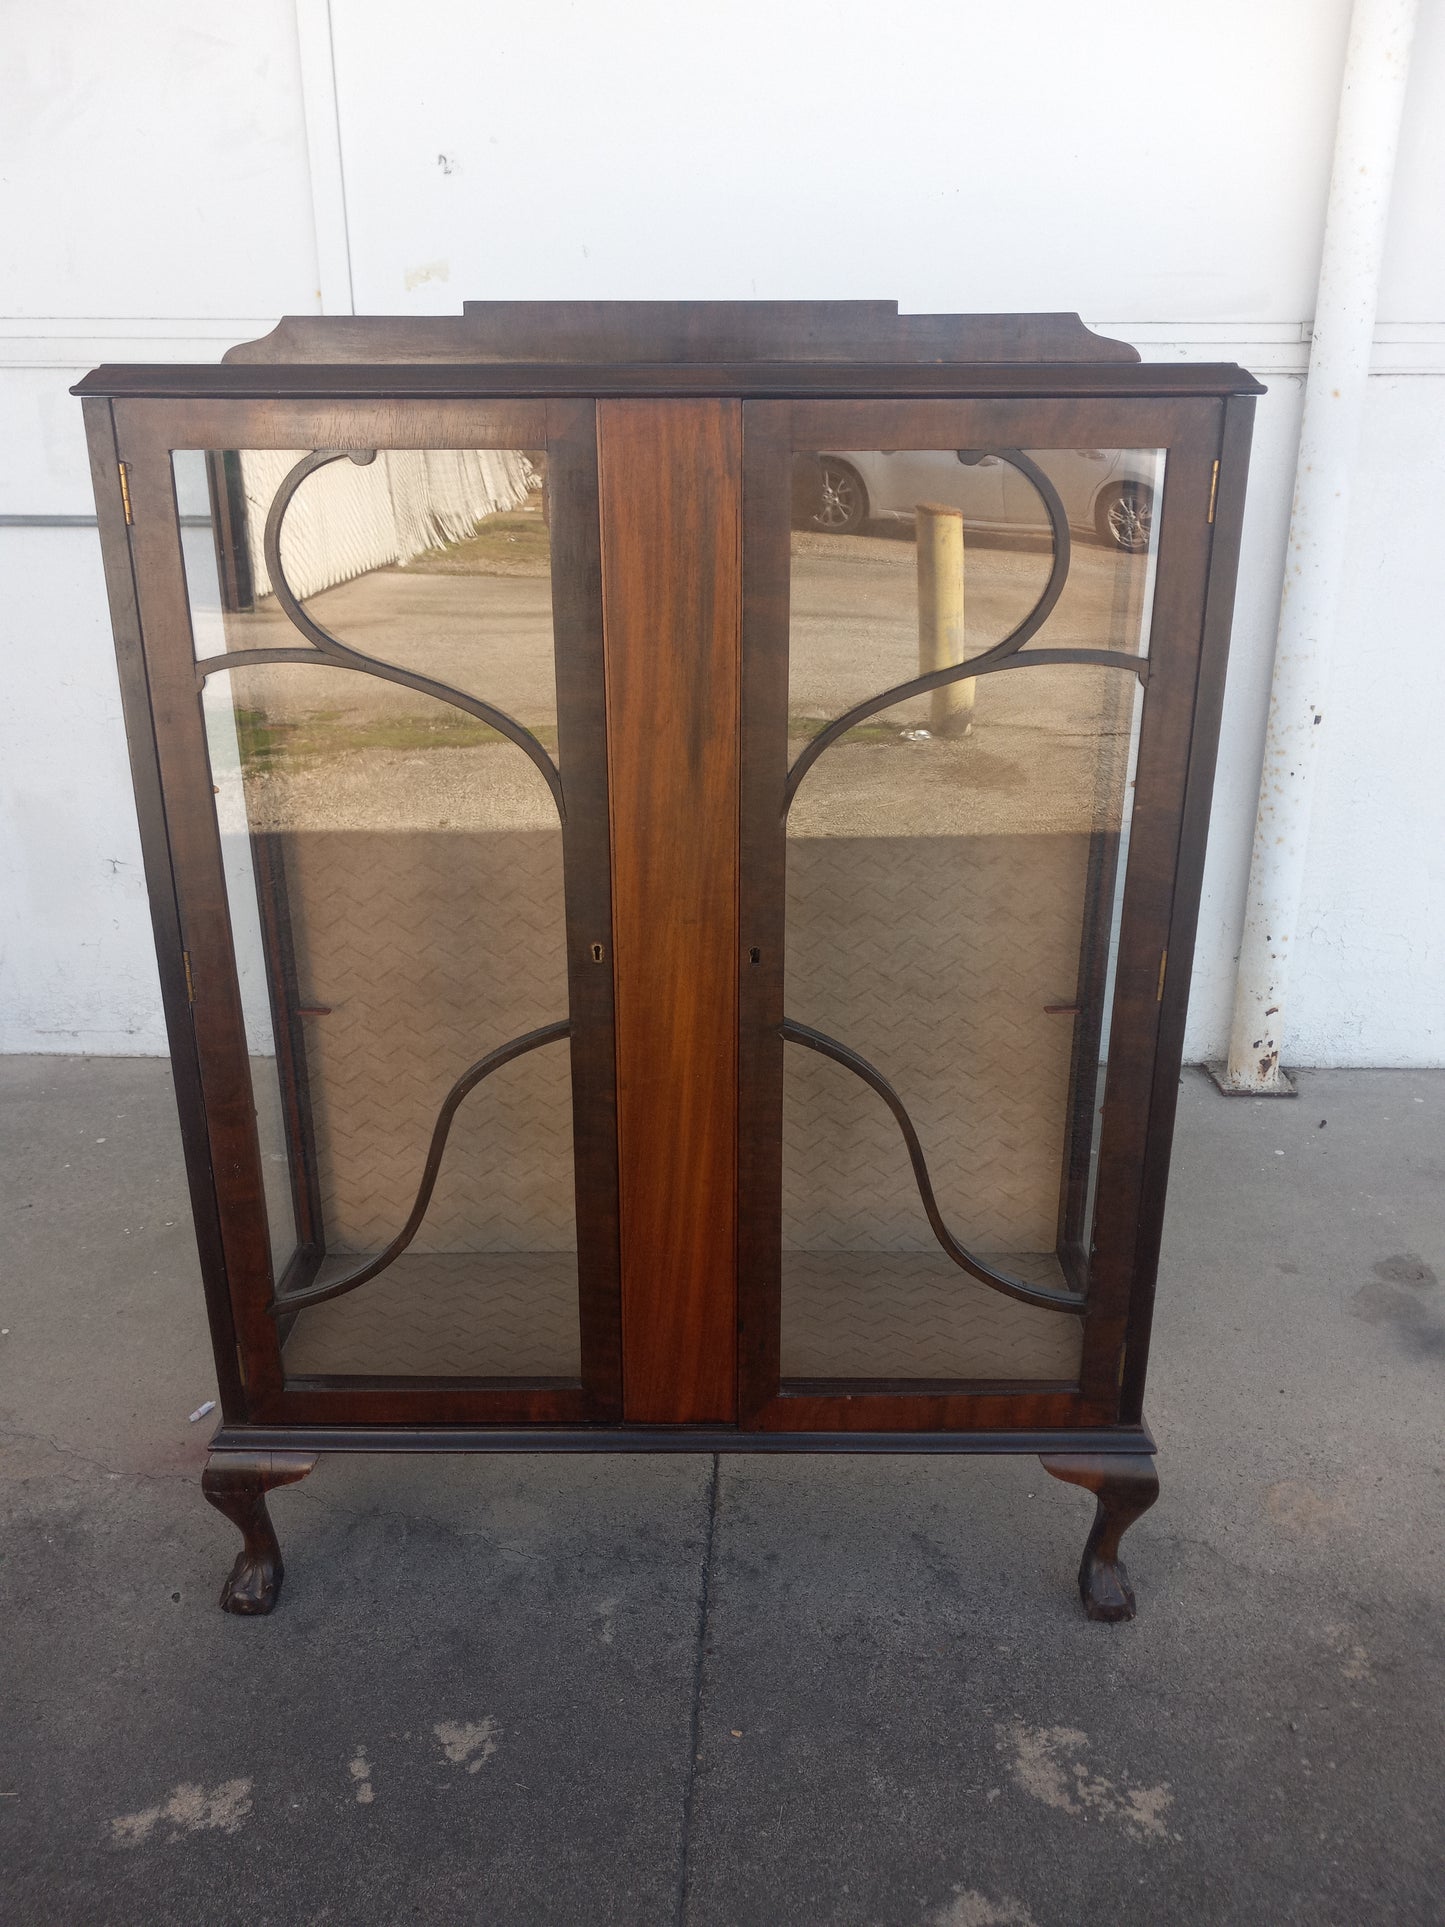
(955, 862)
(394, 865)
(861, 507)
(433, 561)
(265, 1036)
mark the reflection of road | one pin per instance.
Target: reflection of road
(948, 962)
(1048, 745)
(488, 635)
(938, 903)
(1032, 763)
(367, 761)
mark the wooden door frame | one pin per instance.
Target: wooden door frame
(132, 443)
(670, 478)
(158, 411)
(1206, 443)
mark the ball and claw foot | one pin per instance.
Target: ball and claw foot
(253, 1584)
(236, 1483)
(1126, 1485)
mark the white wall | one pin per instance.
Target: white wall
(1168, 181)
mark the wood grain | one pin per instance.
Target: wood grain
(160, 885)
(1223, 567)
(671, 507)
(225, 1145)
(471, 380)
(762, 897)
(682, 331)
(1125, 1487)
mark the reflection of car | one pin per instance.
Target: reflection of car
(1107, 492)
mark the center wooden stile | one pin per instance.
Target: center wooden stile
(670, 479)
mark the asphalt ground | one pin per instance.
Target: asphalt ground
(776, 1690)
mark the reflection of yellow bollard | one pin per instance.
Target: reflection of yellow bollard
(940, 615)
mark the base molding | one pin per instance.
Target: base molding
(1125, 1439)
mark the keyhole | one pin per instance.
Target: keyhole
(755, 955)
(596, 953)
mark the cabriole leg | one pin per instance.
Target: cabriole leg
(236, 1483)
(1126, 1485)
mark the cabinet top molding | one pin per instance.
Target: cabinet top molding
(684, 331)
(673, 347)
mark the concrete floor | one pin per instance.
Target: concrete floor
(571, 1690)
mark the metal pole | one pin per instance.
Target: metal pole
(940, 616)
(1372, 99)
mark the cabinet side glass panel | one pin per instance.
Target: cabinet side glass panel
(393, 859)
(955, 861)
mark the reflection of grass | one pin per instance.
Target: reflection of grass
(268, 744)
(516, 535)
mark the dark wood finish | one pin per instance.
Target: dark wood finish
(236, 1483)
(444, 1401)
(852, 1406)
(1223, 570)
(670, 430)
(1123, 418)
(475, 381)
(216, 1012)
(575, 529)
(164, 908)
(1189, 434)
(1130, 1439)
(610, 332)
(380, 420)
(669, 493)
(767, 504)
(1125, 1487)
(228, 529)
(246, 1281)
(1144, 931)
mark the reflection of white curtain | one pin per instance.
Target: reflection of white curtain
(346, 519)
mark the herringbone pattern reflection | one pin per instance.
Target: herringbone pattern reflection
(449, 1315)
(935, 958)
(430, 949)
(852, 1314)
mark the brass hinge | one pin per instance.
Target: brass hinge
(190, 985)
(1163, 966)
(1213, 490)
(125, 493)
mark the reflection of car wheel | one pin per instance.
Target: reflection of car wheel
(1125, 515)
(840, 501)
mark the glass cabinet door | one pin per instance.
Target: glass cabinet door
(952, 619)
(395, 652)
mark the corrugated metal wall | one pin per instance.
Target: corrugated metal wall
(348, 517)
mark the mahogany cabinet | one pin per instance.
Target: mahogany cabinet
(674, 835)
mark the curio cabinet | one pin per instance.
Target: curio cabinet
(674, 836)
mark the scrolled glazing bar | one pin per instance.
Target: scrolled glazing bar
(1001, 655)
(331, 649)
(496, 719)
(468, 1081)
(1041, 1295)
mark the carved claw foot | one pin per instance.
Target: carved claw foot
(1126, 1485)
(236, 1483)
(253, 1584)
